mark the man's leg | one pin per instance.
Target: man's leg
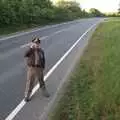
(41, 78)
(42, 82)
(29, 84)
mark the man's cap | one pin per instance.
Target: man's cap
(36, 40)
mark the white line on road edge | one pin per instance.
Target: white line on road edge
(35, 30)
(22, 103)
(112, 20)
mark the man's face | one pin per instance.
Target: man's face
(37, 44)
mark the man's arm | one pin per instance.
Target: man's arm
(27, 53)
(43, 59)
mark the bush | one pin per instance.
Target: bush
(18, 12)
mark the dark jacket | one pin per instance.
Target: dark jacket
(31, 57)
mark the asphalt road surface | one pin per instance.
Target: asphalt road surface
(56, 40)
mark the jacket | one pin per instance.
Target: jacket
(30, 55)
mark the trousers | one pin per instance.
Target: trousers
(33, 74)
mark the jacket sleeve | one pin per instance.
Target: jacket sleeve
(28, 53)
(43, 59)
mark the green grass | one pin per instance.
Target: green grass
(113, 19)
(93, 92)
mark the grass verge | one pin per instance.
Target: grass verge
(93, 92)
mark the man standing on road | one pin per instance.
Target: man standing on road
(35, 65)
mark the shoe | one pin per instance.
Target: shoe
(45, 92)
(27, 99)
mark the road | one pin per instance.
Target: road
(56, 41)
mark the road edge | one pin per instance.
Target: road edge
(55, 101)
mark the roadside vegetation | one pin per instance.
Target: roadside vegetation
(18, 15)
(93, 92)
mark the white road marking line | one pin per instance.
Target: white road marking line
(44, 37)
(28, 44)
(22, 103)
(23, 46)
(16, 110)
(112, 20)
(35, 30)
(59, 31)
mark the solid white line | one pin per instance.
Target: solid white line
(16, 110)
(112, 20)
(21, 105)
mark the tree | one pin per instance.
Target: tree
(27, 12)
(71, 7)
(119, 9)
(42, 3)
(96, 13)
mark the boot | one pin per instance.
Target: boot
(27, 99)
